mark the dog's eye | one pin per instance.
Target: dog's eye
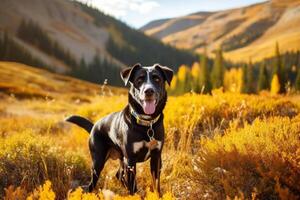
(140, 80)
(156, 78)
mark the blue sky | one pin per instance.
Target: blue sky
(137, 13)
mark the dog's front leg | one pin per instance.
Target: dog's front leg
(155, 165)
(131, 172)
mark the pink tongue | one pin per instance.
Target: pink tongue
(149, 107)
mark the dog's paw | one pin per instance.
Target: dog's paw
(85, 188)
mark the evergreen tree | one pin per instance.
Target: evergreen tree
(217, 74)
(250, 80)
(279, 68)
(244, 79)
(204, 81)
(297, 81)
(262, 78)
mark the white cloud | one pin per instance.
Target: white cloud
(120, 8)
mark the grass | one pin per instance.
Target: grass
(217, 147)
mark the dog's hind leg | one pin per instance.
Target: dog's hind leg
(99, 151)
(120, 175)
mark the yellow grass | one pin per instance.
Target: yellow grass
(217, 147)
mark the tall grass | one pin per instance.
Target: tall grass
(217, 147)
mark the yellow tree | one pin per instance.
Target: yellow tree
(173, 85)
(233, 79)
(183, 78)
(275, 85)
(195, 73)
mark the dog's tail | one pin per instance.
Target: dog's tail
(81, 121)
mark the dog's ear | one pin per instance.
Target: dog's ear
(127, 73)
(166, 72)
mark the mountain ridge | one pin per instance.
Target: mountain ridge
(73, 38)
(243, 33)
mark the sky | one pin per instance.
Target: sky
(137, 13)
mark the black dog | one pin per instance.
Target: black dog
(134, 134)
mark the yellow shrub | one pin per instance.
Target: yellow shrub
(253, 158)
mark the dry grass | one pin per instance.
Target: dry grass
(217, 147)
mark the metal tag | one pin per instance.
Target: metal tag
(152, 144)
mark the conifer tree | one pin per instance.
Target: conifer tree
(204, 81)
(279, 68)
(217, 73)
(244, 86)
(263, 78)
(297, 81)
(250, 80)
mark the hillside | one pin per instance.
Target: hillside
(25, 82)
(72, 38)
(248, 32)
(218, 146)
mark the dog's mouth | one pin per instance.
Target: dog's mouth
(149, 106)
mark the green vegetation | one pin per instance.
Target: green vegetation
(131, 46)
(285, 66)
(12, 51)
(218, 70)
(33, 34)
(263, 83)
(205, 84)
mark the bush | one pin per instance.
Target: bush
(28, 160)
(262, 158)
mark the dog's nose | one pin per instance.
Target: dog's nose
(149, 92)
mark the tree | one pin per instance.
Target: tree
(297, 81)
(204, 81)
(275, 85)
(217, 73)
(173, 86)
(244, 87)
(184, 80)
(262, 78)
(279, 68)
(195, 73)
(250, 80)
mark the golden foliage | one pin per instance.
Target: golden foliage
(233, 80)
(222, 146)
(253, 158)
(182, 73)
(195, 72)
(275, 85)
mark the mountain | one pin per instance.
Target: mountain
(72, 38)
(243, 33)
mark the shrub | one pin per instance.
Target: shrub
(28, 160)
(261, 158)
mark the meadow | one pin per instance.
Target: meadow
(219, 146)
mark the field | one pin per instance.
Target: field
(218, 146)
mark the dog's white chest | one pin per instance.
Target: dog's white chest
(137, 146)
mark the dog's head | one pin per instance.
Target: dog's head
(147, 87)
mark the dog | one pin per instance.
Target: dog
(134, 134)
